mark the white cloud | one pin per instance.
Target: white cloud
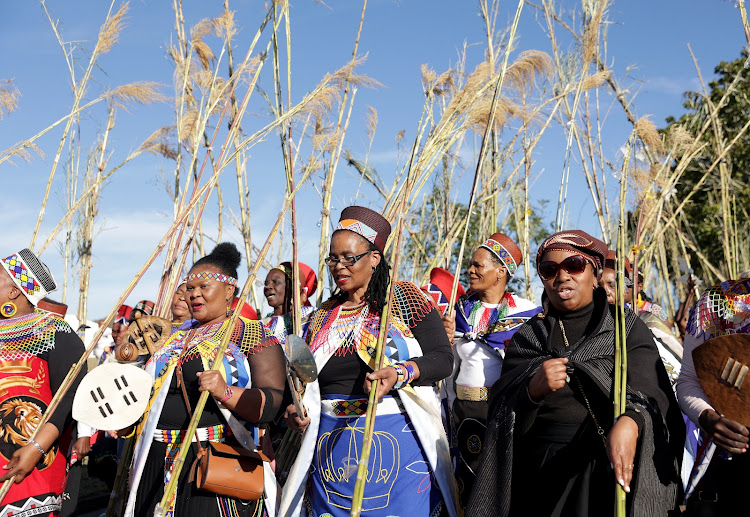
(672, 85)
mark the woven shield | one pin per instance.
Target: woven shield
(112, 396)
(723, 367)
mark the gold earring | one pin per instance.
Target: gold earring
(8, 309)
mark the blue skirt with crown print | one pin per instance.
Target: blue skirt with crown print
(399, 478)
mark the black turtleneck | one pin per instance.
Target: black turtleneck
(566, 405)
(579, 323)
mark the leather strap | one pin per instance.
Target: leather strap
(181, 384)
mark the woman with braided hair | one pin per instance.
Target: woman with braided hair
(246, 388)
(409, 466)
(552, 447)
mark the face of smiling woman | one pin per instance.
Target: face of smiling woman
(569, 292)
(208, 299)
(180, 310)
(353, 279)
(484, 272)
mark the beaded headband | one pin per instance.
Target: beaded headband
(503, 254)
(287, 272)
(30, 274)
(206, 275)
(358, 227)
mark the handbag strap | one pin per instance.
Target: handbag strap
(181, 384)
(599, 429)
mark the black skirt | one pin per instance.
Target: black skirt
(562, 471)
(189, 501)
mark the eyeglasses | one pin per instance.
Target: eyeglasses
(344, 261)
(574, 265)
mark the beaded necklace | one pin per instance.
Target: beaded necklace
(481, 322)
(29, 335)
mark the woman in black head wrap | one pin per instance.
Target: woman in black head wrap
(551, 442)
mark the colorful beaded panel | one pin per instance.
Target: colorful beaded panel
(358, 227)
(211, 434)
(30, 335)
(353, 328)
(21, 274)
(351, 407)
(478, 394)
(503, 254)
(206, 275)
(249, 336)
(722, 309)
(484, 320)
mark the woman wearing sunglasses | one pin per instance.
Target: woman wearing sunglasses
(485, 320)
(409, 466)
(552, 446)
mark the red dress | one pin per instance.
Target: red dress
(36, 353)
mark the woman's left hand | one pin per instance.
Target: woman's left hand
(212, 382)
(22, 462)
(387, 379)
(621, 444)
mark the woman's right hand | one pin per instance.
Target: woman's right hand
(551, 376)
(728, 434)
(449, 322)
(121, 432)
(293, 420)
(21, 463)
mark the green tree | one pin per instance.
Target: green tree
(716, 217)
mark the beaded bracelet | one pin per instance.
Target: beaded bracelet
(227, 395)
(405, 373)
(41, 449)
(409, 371)
(401, 379)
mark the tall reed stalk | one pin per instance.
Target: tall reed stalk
(108, 36)
(621, 358)
(482, 153)
(372, 403)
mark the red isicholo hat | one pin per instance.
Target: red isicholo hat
(505, 249)
(439, 288)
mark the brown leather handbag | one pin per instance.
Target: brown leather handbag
(229, 470)
(226, 469)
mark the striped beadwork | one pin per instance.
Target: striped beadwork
(207, 275)
(30, 335)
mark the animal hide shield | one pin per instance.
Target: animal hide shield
(722, 365)
(112, 396)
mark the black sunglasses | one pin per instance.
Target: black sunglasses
(345, 261)
(574, 265)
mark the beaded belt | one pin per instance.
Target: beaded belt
(212, 434)
(473, 394)
(345, 408)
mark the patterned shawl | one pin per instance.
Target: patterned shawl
(502, 324)
(656, 487)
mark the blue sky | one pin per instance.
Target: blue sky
(646, 47)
